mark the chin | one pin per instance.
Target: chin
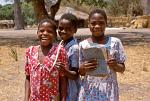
(45, 44)
(98, 34)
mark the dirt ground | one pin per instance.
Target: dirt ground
(134, 83)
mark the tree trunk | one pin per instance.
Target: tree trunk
(18, 18)
(41, 12)
(55, 8)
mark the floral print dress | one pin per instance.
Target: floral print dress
(98, 88)
(44, 79)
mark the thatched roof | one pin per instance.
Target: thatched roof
(78, 14)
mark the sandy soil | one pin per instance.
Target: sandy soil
(134, 82)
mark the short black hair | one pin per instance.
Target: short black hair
(72, 18)
(50, 21)
(99, 11)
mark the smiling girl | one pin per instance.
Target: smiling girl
(42, 78)
(100, 88)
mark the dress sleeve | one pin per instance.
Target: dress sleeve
(81, 58)
(27, 61)
(120, 55)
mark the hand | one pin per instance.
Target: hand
(88, 66)
(60, 66)
(112, 62)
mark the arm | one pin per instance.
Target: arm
(117, 58)
(71, 74)
(118, 67)
(63, 88)
(72, 71)
(27, 88)
(73, 57)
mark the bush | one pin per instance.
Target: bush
(28, 13)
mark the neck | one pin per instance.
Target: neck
(67, 41)
(45, 49)
(98, 39)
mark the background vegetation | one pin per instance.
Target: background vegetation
(113, 7)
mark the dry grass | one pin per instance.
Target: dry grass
(134, 83)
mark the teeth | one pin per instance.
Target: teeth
(44, 38)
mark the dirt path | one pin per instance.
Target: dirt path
(134, 83)
(128, 36)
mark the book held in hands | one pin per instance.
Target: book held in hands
(100, 54)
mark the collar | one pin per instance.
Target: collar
(70, 43)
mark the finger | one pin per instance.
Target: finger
(91, 68)
(60, 64)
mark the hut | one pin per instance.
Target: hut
(82, 17)
(5, 24)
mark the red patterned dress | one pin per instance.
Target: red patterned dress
(44, 79)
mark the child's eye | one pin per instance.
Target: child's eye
(49, 31)
(41, 30)
(101, 23)
(93, 23)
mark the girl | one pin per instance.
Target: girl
(67, 27)
(98, 87)
(42, 75)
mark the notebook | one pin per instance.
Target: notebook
(100, 54)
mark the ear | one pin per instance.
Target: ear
(88, 25)
(37, 31)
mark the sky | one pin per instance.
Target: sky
(3, 2)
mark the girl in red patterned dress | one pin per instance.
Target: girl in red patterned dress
(42, 76)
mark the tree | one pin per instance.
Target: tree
(98, 3)
(18, 18)
(28, 13)
(118, 7)
(40, 8)
(124, 7)
(6, 12)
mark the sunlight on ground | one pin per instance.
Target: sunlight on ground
(134, 82)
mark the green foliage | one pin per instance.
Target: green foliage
(28, 13)
(84, 5)
(113, 8)
(124, 7)
(6, 12)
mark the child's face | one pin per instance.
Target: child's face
(46, 33)
(66, 29)
(97, 24)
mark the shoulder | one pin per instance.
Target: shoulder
(115, 39)
(84, 42)
(74, 46)
(31, 48)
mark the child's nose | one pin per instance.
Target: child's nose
(97, 26)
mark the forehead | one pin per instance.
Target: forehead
(65, 22)
(45, 24)
(96, 16)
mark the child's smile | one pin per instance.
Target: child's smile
(46, 34)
